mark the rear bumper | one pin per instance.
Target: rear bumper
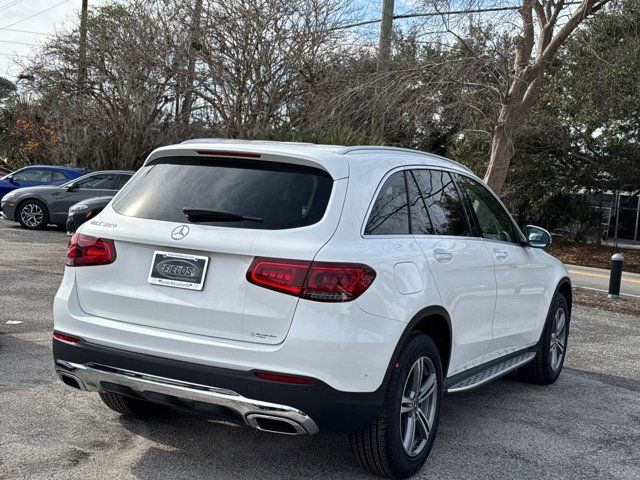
(338, 344)
(301, 409)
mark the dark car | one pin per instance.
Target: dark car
(83, 211)
(37, 175)
(37, 207)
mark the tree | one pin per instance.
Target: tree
(6, 88)
(259, 57)
(123, 110)
(535, 49)
(596, 88)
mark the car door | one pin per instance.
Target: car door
(462, 266)
(519, 279)
(88, 186)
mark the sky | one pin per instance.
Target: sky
(48, 16)
(37, 19)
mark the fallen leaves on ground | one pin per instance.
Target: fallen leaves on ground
(591, 255)
(590, 298)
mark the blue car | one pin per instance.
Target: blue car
(37, 175)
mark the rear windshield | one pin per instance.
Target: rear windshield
(282, 195)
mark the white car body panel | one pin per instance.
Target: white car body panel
(350, 345)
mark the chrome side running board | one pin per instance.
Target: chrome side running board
(491, 373)
(258, 414)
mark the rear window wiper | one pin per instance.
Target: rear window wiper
(196, 215)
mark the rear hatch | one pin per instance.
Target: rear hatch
(188, 274)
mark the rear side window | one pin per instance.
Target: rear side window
(58, 176)
(420, 221)
(101, 181)
(281, 195)
(446, 210)
(122, 180)
(390, 214)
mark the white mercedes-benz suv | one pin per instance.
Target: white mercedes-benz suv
(306, 288)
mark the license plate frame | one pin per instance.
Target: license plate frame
(178, 270)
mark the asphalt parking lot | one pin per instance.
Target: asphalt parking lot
(585, 426)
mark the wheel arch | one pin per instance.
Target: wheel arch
(564, 287)
(435, 322)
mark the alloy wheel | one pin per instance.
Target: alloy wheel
(31, 215)
(419, 405)
(558, 339)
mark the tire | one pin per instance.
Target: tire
(33, 215)
(546, 366)
(379, 448)
(132, 407)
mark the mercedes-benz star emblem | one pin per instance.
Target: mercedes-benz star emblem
(180, 232)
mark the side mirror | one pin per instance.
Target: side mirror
(10, 179)
(72, 187)
(537, 237)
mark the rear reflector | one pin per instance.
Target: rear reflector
(319, 281)
(223, 153)
(63, 337)
(85, 250)
(275, 377)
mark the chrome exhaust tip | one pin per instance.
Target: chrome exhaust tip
(71, 380)
(274, 424)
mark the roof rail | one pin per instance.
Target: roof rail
(245, 141)
(364, 148)
(201, 140)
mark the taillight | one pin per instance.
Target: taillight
(319, 281)
(85, 250)
(337, 282)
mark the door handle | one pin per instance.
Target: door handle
(500, 254)
(443, 256)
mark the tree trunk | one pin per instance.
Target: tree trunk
(502, 151)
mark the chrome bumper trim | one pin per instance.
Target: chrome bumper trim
(90, 376)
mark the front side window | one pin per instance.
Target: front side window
(390, 214)
(102, 181)
(33, 175)
(446, 210)
(494, 221)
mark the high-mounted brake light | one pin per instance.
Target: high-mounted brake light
(224, 153)
(85, 250)
(319, 281)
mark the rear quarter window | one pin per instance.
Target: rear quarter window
(390, 212)
(282, 195)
